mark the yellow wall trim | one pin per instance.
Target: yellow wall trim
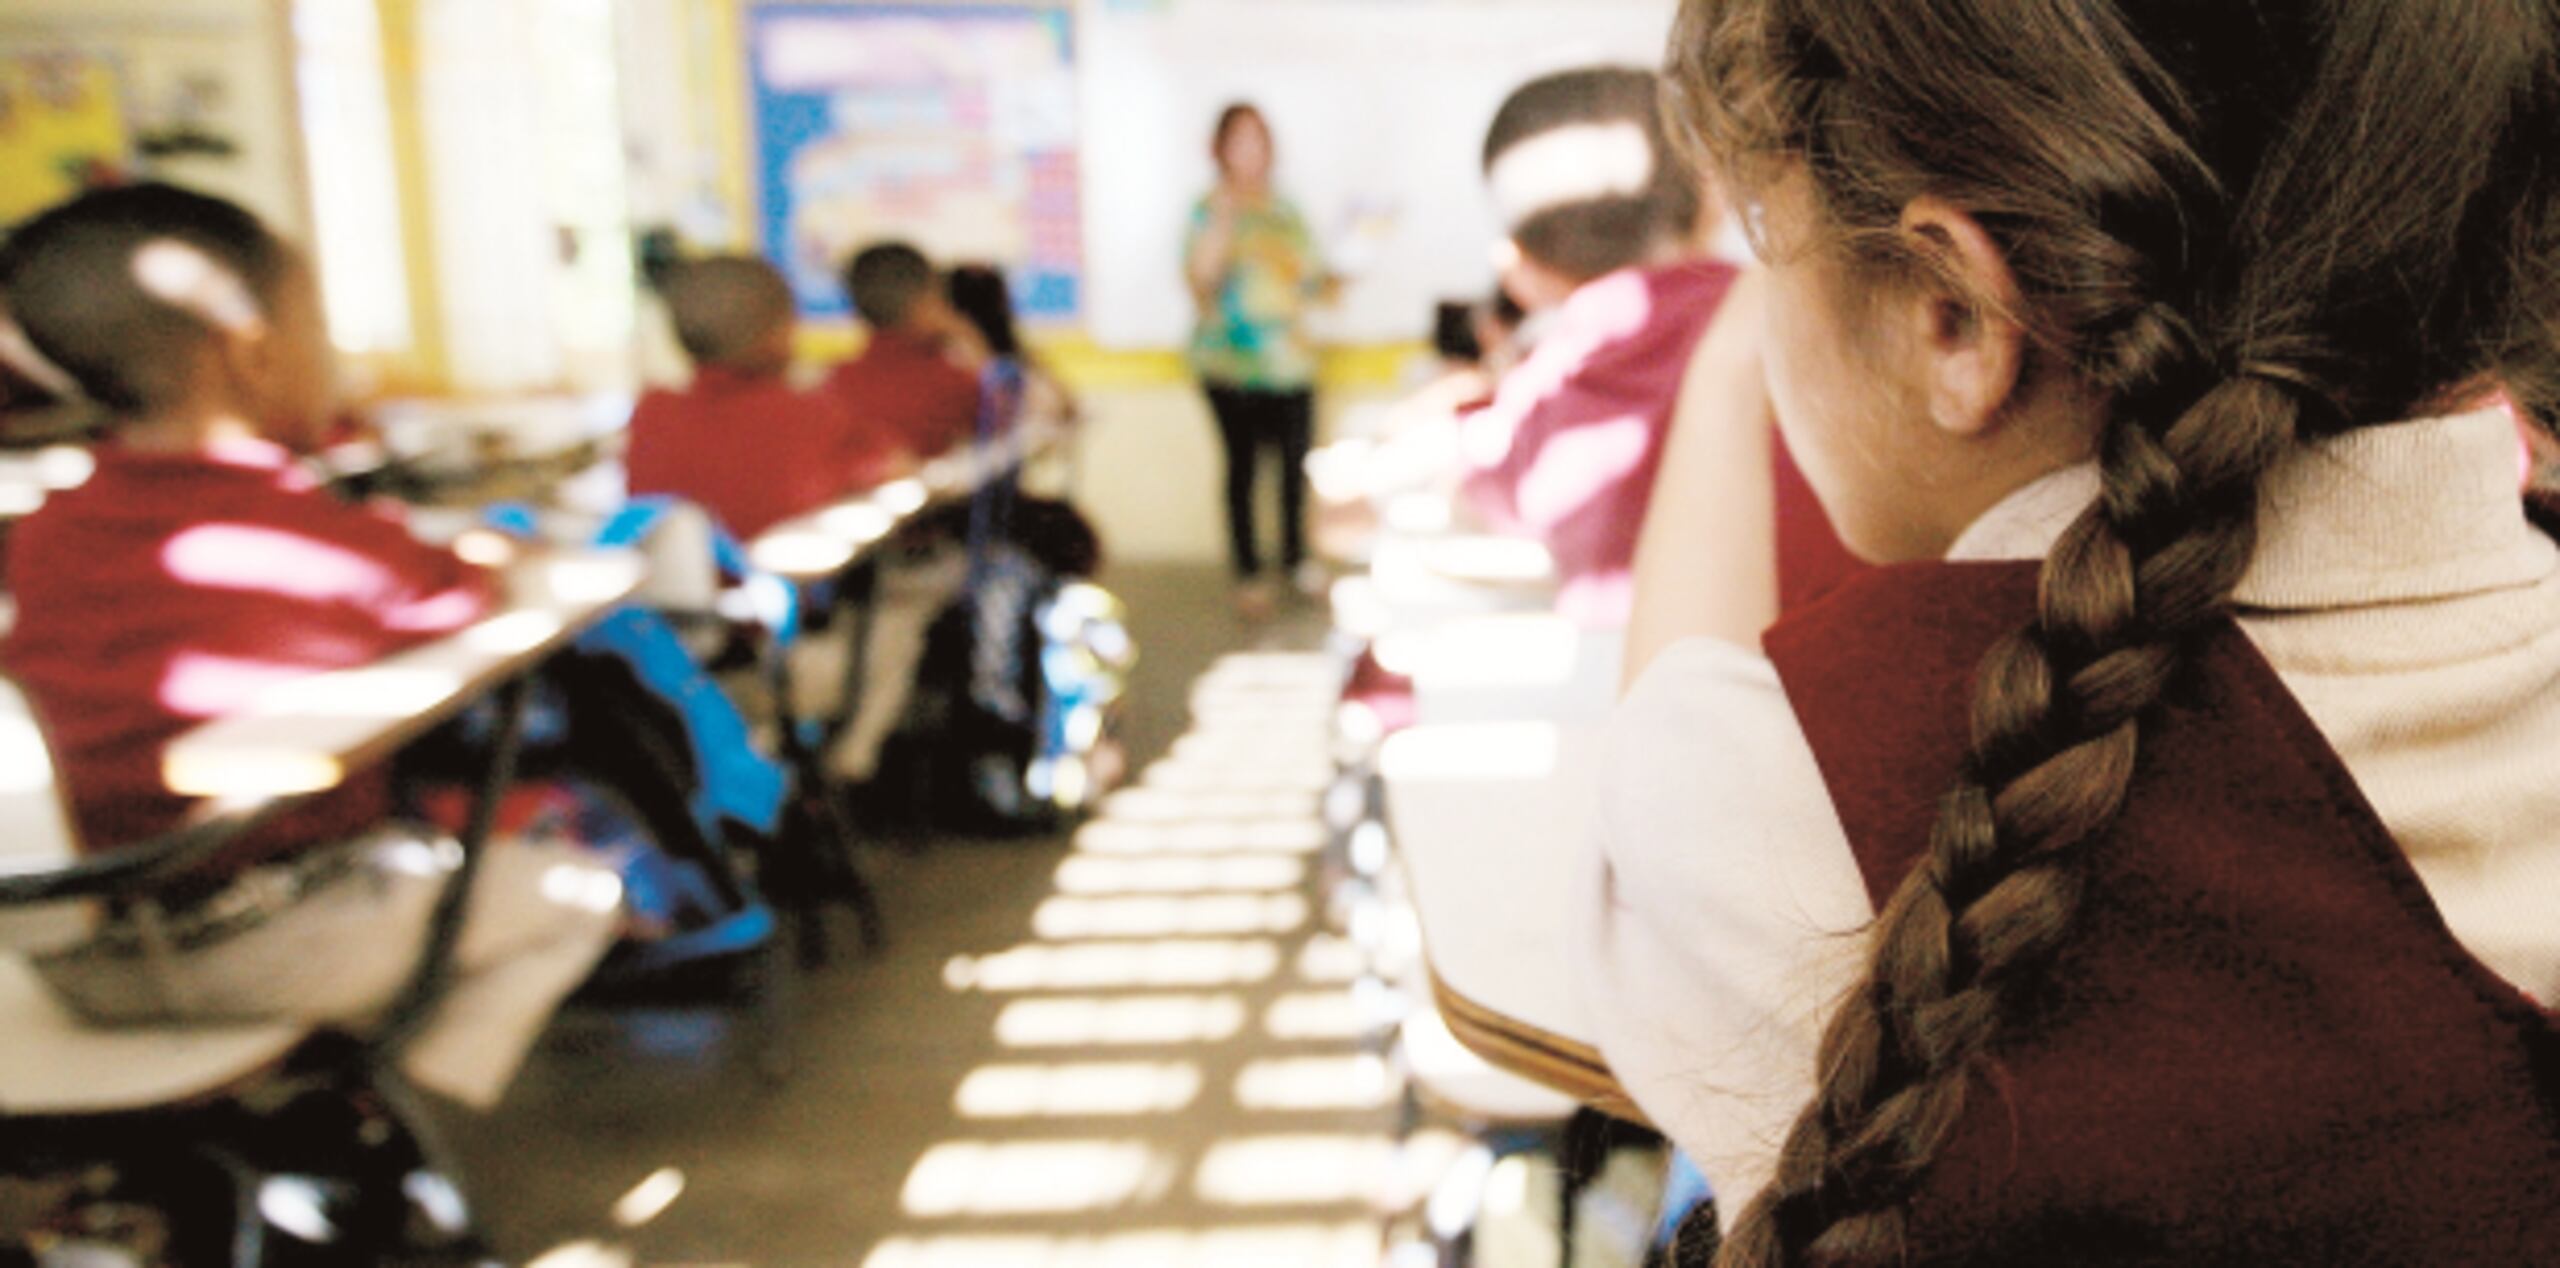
(1086, 365)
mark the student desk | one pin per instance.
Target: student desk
(1504, 668)
(839, 542)
(484, 451)
(307, 735)
(1491, 822)
(822, 544)
(1418, 580)
(299, 739)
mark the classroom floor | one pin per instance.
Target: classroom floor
(1001, 1086)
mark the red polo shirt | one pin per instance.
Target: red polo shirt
(172, 588)
(751, 450)
(1568, 450)
(905, 392)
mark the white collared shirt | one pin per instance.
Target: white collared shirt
(2397, 590)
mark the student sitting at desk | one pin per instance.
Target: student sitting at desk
(740, 441)
(912, 394)
(1606, 227)
(199, 567)
(2157, 865)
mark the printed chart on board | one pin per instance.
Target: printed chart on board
(62, 128)
(951, 127)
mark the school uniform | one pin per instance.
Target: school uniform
(171, 589)
(903, 395)
(750, 449)
(2304, 1015)
(1568, 449)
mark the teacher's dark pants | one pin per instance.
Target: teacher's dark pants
(1250, 421)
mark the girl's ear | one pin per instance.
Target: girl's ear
(1960, 320)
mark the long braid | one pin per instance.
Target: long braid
(2193, 250)
(2057, 717)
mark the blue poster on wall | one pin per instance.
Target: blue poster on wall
(951, 127)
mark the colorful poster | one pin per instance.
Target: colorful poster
(952, 127)
(62, 129)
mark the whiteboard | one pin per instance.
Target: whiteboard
(1378, 107)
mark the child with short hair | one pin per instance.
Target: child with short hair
(2158, 865)
(200, 566)
(740, 441)
(913, 390)
(1604, 225)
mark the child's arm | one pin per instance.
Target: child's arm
(1707, 564)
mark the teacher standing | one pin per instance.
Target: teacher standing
(1255, 272)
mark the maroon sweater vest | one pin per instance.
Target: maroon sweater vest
(2261, 1044)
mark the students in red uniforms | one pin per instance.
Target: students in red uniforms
(913, 390)
(740, 441)
(1604, 225)
(2158, 865)
(199, 567)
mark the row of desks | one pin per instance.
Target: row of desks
(306, 736)
(823, 543)
(1491, 798)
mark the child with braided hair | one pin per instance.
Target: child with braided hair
(2159, 865)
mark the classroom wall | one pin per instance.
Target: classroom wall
(231, 57)
(1379, 110)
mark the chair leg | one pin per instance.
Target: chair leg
(1582, 1152)
(768, 1007)
(818, 836)
(433, 1187)
(834, 844)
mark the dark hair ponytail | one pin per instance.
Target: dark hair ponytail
(2245, 223)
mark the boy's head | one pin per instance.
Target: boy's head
(153, 301)
(894, 287)
(1585, 180)
(734, 312)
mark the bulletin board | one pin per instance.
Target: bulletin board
(950, 126)
(63, 128)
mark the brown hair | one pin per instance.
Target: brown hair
(2244, 224)
(886, 282)
(67, 279)
(1234, 116)
(1589, 237)
(726, 307)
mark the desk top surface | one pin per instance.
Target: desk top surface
(1506, 668)
(1492, 823)
(824, 542)
(306, 735)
